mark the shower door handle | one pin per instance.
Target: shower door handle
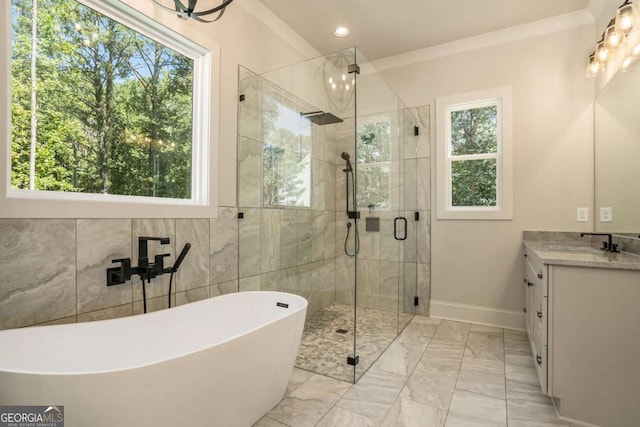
(395, 228)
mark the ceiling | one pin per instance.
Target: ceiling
(383, 28)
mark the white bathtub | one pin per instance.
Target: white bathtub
(223, 361)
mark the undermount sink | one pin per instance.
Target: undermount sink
(573, 248)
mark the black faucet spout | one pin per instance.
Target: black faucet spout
(143, 249)
(608, 245)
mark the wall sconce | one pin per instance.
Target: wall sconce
(189, 10)
(619, 45)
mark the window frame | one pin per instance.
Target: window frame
(15, 203)
(501, 98)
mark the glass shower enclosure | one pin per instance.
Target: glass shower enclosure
(327, 204)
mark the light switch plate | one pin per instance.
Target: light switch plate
(583, 215)
(606, 214)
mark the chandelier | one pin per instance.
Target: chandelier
(188, 10)
(619, 45)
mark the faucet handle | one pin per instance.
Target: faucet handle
(119, 275)
(159, 263)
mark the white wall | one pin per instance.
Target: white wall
(479, 263)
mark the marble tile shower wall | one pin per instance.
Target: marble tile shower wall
(54, 270)
(286, 249)
(389, 270)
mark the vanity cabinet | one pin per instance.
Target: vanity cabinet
(583, 325)
(536, 307)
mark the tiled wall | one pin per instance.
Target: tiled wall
(290, 249)
(389, 269)
(54, 270)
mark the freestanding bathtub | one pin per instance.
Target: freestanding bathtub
(224, 361)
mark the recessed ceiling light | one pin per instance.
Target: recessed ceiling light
(341, 32)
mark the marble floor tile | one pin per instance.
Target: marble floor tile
(426, 320)
(434, 388)
(298, 377)
(526, 403)
(399, 358)
(482, 345)
(517, 346)
(433, 382)
(373, 395)
(445, 349)
(520, 368)
(483, 377)
(306, 405)
(472, 409)
(516, 342)
(269, 422)
(419, 330)
(407, 413)
(339, 417)
(450, 330)
(487, 329)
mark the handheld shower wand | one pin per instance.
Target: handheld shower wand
(345, 156)
(349, 171)
(175, 267)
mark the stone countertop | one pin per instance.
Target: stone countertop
(568, 253)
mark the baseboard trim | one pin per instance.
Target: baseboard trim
(509, 319)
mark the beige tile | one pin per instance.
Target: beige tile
(38, 265)
(487, 329)
(482, 345)
(268, 422)
(400, 358)
(298, 377)
(64, 321)
(445, 349)
(433, 382)
(373, 395)
(339, 417)
(426, 320)
(108, 313)
(520, 368)
(192, 295)
(407, 413)
(93, 260)
(482, 376)
(306, 405)
(472, 409)
(453, 331)
(527, 404)
(194, 271)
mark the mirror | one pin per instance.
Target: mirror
(617, 153)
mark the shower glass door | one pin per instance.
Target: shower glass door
(323, 205)
(384, 282)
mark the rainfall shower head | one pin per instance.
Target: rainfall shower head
(321, 118)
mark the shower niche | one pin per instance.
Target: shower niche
(325, 148)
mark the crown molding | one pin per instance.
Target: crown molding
(596, 7)
(278, 26)
(521, 32)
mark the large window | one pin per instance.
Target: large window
(474, 155)
(104, 103)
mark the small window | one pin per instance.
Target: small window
(474, 156)
(105, 103)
